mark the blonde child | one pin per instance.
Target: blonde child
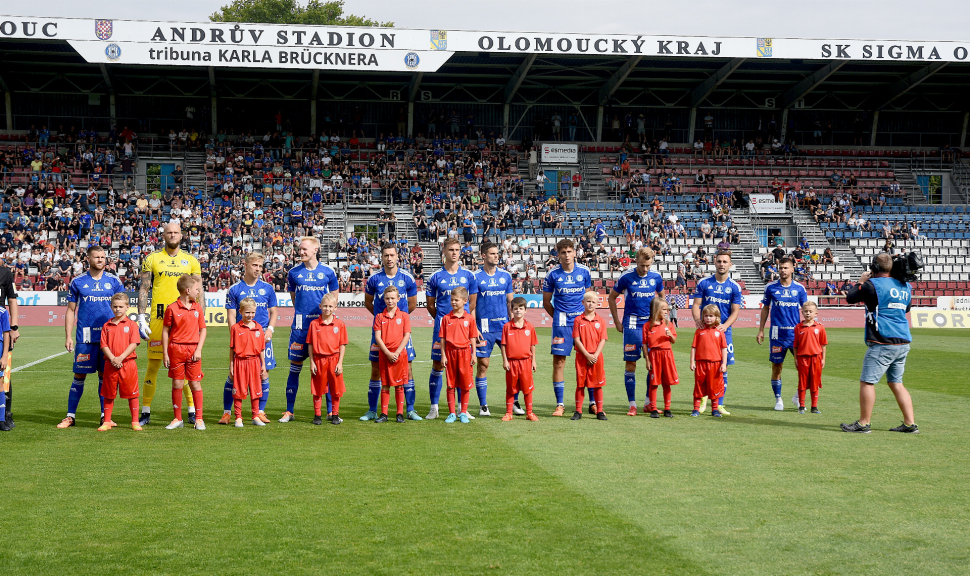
(247, 364)
(183, 335)
(589, 338)
(392, 332)
(658, 336)
(459, 334)
(810, 344)
(119, 338)
(327, 341)
(708, 360)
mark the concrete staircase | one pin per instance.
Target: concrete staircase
(194, 171)
(817, 240)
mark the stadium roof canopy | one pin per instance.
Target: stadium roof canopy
(510, 72)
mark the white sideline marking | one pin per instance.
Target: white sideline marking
(35, 362)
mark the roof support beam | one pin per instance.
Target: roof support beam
(314, 88)
(214, 102)
(112, 102)
(611, 86)
(413, 86)
(800, 90)
(516, 80)
(910, 82)
(704, 89)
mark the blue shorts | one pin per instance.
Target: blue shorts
(888, 359)
(490, 331)
(633, 337)
(375, 352)
(779, 350)
(88, 358)
(298, 351)
(562, 334)
(436, 341)
(269, 355)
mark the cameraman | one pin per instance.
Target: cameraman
(887, 301)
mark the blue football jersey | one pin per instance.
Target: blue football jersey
(308, 287)
(93, 299)
(262, 292)
(567, 288)
(406, 287)
(443, 282)
(786, 304)
(638, 291)
(492, 303)
(721, 294)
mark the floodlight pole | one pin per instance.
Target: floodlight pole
(213, 102)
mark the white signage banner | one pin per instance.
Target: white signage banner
(766, 204)
(339, 47)
(560, 153)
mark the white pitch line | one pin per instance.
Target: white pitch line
(35, 362)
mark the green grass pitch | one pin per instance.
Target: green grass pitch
(758, 492)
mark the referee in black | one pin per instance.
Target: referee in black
(8, 295)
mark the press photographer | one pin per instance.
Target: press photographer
(885, 291)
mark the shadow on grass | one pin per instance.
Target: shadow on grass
(789, 424)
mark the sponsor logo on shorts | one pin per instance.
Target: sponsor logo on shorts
(629, 347)
(296, 346)
(83, 357)
(155, 343)
(374, 348)
(558, 340)
(776, 349)
(436, 346)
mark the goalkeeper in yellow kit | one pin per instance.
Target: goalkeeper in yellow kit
(161, 271)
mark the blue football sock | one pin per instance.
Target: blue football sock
(720, 401)
(515, 397)
(559, 388)
(592, 395)
(100, 386)
(408, 394)
(458, 395)
(265, 396)
(630, 380)
(73, 397)
(373, 394)
(227, 393)
(481, 386)
(776, 387)
(434, 386)
(3, 406)
(292, 385)
(329, 402)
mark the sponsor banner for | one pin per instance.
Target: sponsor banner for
(934, 318)
(553, 153)
(953, 302)
(25, 298)
(766, 204)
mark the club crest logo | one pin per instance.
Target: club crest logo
(597, 325)
(337, 330)
(103, 29)
(127, 328)
(764, 47)
(262, 292)
(411, 60)
(399, 321)
(439, 40)
(526, 332)
(196, 313)
(113, 52)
